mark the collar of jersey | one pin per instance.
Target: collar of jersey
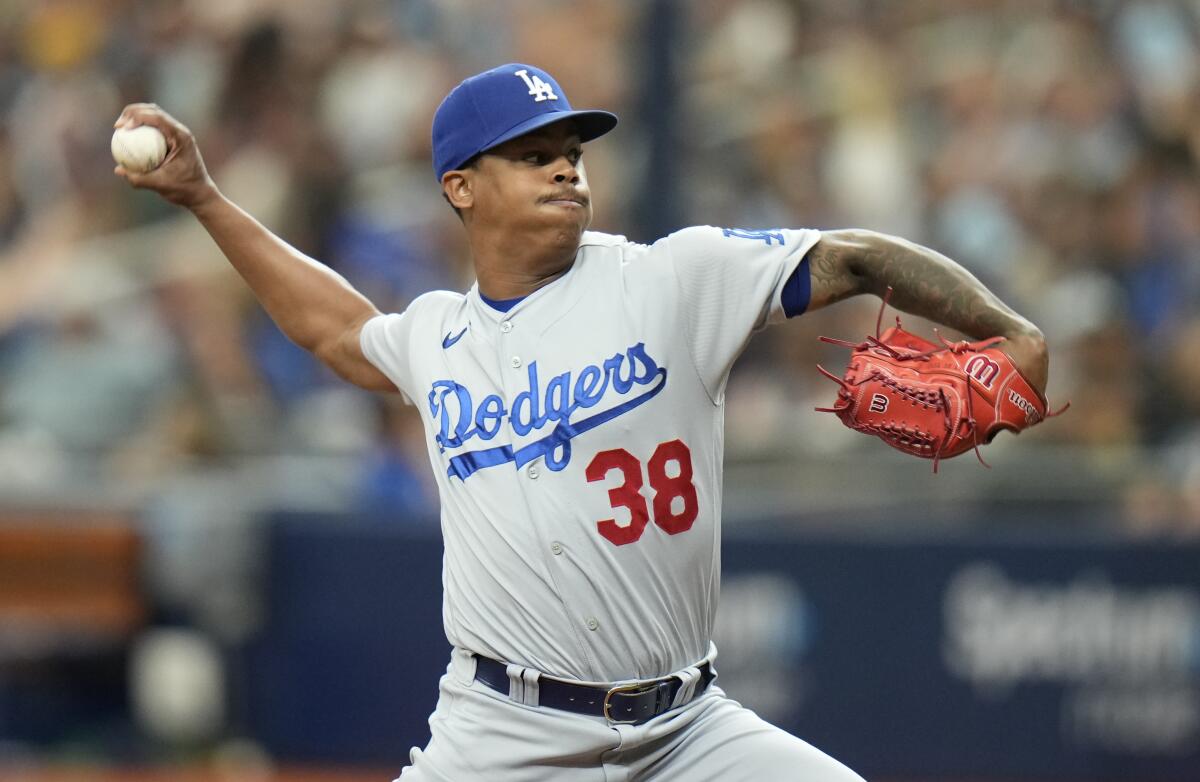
(502, 305)
(564, 294)
(497, 315)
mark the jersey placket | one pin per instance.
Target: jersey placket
(516, 338)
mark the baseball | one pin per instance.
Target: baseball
(139, 149)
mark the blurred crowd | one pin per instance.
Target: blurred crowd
(1050, 146)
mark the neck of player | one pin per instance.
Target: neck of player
(514, 265)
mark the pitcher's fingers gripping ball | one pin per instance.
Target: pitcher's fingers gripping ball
(139, 149)
(932, 401)
(156, 152)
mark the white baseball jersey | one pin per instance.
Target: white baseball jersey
(578, 441)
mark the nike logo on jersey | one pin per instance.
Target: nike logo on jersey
(459, 420)
(448, 340)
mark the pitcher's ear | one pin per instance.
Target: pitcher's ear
(457, 187)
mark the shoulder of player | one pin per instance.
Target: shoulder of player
(685, 244)
(601, 239)
(603, 254)
(437, 300)
(694, 235)
(701, 243)
(687, 247)
(429, 308)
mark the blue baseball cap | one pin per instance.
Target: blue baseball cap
(492, 107)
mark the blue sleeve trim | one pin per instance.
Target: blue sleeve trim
(797, 290)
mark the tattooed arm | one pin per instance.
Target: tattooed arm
(924, 283)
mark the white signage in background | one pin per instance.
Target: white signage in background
(1139, 720)
(1129, 657)
(762, 632)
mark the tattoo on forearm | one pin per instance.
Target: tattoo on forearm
(827, 263)
(923, 283)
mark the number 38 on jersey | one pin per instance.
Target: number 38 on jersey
(669, 469)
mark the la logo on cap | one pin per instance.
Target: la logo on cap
(539, 89)
(488, 109)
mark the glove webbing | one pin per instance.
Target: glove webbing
(923, 440)
(920, 396)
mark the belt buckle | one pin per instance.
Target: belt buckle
(634, 690)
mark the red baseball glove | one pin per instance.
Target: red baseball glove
(932, 401)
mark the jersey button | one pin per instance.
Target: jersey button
(592, 623)
(533, 473)
(506, 327)
(556, 547)
(516, 362)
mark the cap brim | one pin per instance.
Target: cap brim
(591, 123)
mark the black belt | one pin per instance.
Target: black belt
(628, 704)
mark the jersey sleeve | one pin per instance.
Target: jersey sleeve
(385, 341)
(733, 282)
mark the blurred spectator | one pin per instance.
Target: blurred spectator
(1051, 147)
(395, 472)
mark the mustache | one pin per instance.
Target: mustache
(567, 195)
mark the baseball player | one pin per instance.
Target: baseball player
(573, 401)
